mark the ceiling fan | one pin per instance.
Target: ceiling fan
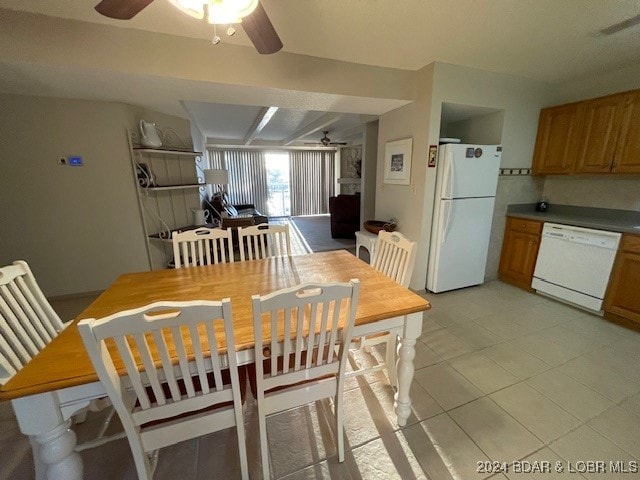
(325, 141)
(257, 25)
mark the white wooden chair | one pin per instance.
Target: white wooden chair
(309, 329)
(394, 256)
(28, 323)
(262, 241)
(27, 320)
(202, 246)
(163, 400)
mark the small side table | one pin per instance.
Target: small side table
(366, 240)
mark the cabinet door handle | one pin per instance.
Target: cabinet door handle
(535, 242)
(524, 225)
(566, 165)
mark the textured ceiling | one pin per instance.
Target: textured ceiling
(553, 41)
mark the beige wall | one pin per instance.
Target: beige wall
(511, 189)
(482, 130)
(78, 227)
(369, 173)
(406, 202)
(597, 85)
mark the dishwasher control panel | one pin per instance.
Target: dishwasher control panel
(585, 236)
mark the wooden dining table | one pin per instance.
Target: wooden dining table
(60, 380)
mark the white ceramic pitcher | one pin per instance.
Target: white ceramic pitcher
(149, 135)
(200, 216)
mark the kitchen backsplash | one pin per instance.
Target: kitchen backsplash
(611, 191)
(511, 189)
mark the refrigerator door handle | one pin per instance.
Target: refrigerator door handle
(449, 175)
(445, 230)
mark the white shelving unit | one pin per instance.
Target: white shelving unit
(169, 182)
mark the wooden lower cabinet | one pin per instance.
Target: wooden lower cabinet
(623, 293)
(520, 251)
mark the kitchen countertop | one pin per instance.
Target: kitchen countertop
(611, 220)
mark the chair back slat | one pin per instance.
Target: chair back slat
(163, 352)
(27, 321)
(33, 309)
(149, 369)
(286, 351)
(215, 355)
(300, 336)
(322, 339)
(311, 340)
(395, 256)
(322, 315)
(22, 349)
(203, 246)
(183, 363)
(264, 241)
(16, 313)
(124, 350)
(9, 362)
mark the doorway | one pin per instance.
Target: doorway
(278, 188)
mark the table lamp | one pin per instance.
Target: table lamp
(219, 177)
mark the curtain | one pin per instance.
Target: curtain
(312, 178)
(247, 176)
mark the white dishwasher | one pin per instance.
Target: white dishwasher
(574, 264)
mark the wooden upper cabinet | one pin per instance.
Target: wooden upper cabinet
(627, 156)
(556, 140)
(601, 135)
(599, 131)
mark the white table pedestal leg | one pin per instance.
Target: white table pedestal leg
(53, 441)
(57, 451)
(405, 368)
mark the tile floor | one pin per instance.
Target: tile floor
(501, 376)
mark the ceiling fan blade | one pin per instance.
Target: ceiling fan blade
(261, 32)
(121, 9)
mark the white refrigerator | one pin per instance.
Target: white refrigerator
(466, 183)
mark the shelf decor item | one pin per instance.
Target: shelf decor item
(149, 135)
(397, 162)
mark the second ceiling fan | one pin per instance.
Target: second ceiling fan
(256, 24)
(325, 141)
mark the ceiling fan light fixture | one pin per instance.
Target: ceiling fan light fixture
(217, 11)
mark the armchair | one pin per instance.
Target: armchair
(345, 215)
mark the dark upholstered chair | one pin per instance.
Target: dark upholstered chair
(345, 215)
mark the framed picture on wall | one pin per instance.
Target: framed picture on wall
(397, 162)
